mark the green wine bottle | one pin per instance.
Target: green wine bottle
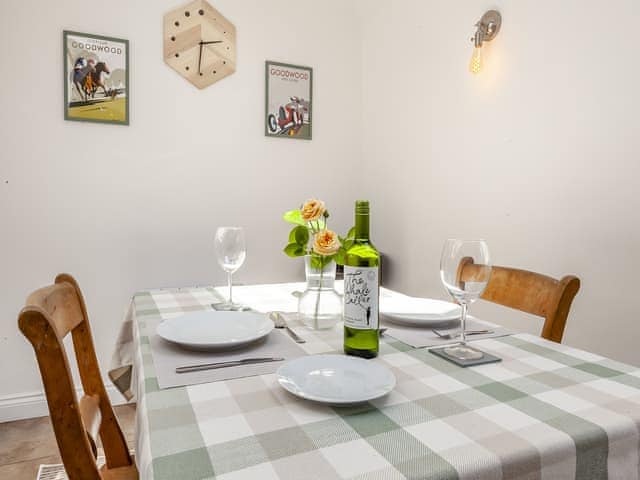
(361, 290)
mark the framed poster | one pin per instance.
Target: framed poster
(288, 101)
(96, 78)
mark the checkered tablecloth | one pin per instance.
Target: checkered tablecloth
(547, 411)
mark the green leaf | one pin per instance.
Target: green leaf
(299, 235)
(294, 250)
(352, 233)
(295, 217)
(320, 261)
(316, 262)
(340, 256)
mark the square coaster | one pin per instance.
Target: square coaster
(486, 358)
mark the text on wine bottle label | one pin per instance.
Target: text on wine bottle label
(361, 287)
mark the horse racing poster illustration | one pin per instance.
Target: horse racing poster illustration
(96, 78)
(288, 101)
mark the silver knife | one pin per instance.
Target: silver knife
(231, 363)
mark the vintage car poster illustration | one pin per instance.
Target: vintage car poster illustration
(288, 102)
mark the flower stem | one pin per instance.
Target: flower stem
(315, 315)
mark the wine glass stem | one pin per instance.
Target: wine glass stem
(230, 283)
(463, 323)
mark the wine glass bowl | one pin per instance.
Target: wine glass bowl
(465, 270)
(470, 280)
(230, 252)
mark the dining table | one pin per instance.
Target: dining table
(545, 411)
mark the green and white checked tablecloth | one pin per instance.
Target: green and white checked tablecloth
(547, 411)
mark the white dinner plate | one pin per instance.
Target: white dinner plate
(419, 312)
(336, 379)
(215, 330)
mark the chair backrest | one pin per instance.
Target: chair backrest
(49, 315)
(529, 292)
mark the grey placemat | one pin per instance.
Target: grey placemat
(167, 356)
(424, 337)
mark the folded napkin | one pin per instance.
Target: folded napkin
(419, 337)
(167, 356)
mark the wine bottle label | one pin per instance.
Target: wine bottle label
(361, 287)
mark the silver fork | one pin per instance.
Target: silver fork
(280, 322)
(450, 336)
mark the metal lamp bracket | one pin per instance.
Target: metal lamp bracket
(487, 28)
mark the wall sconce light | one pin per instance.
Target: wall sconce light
(486, 30)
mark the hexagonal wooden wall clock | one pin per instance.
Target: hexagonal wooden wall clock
(199, 43)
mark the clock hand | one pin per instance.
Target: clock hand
(200, 55)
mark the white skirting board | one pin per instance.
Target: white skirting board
(34, 404)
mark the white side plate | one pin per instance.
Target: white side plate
(215, 330)
(419, 312)
(336, 379)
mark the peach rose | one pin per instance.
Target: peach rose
(312, 210)
(326, 243)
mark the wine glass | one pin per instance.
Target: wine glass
(465, 268)
(230, 252)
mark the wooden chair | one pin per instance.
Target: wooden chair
(49, 315)
(529, 292)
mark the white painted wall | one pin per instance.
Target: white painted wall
(124, 208)
(539, 155)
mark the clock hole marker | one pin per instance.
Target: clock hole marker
(176, 23)
(187, 13)
(201, 12)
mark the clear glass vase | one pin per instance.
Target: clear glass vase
(320, 306)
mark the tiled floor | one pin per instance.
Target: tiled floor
(25, 444)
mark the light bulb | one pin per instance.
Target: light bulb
(475, 64)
